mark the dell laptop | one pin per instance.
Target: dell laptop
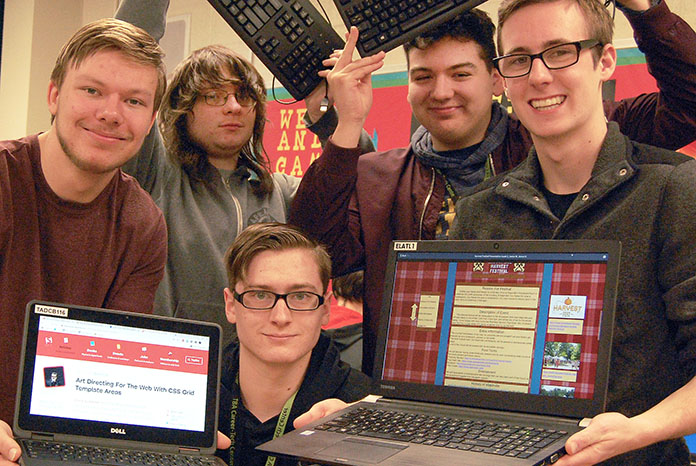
(110, 387)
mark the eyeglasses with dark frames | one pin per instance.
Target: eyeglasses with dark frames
(607, 3)
(516, 65)
(219, 98)
(263, 300)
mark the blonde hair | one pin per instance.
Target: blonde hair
(112, 34)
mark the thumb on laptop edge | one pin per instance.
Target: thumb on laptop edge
(223, 441)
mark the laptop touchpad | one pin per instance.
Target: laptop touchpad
(348, 450)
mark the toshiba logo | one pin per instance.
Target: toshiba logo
(116, 430)
(404, 246)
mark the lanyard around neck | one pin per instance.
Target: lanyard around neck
(280, 425)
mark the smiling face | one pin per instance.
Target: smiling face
(221, 131)
(560, 103)
(278, 336)
(103, 110)
(450, 90)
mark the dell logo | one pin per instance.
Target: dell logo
(116, 430)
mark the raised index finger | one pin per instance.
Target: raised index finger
(347, 55)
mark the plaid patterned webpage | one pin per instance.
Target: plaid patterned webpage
(530, 327)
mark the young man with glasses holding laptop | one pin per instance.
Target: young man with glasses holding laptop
(281, 364)
(584, 179)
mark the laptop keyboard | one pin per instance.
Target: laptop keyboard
(447, 432)
(386, 24)
(290, 37)
(112, 456)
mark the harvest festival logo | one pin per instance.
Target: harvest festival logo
(566, 306)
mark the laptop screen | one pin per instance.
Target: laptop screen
(123, 375)
(532, 319)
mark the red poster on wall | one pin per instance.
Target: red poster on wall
(292, 147)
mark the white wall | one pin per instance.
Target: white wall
(16, 68)
(34, 31)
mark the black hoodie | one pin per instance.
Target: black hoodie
(327, 377)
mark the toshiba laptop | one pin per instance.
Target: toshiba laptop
(489, 352)
(139, 387)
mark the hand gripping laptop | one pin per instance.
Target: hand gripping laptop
(489, 352)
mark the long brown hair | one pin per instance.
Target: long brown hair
(206, 68)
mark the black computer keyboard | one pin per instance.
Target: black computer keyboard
(81, 454)
(386, 24)
(448, 432)
(290, 37)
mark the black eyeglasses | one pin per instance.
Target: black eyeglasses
(262, 300)
(613, 11)
(557, 57)
(219, 98)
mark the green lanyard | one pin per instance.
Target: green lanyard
(279, 430)
(490, 168)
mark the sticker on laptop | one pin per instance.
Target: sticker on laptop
(51, 310)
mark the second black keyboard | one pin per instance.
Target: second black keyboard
(386, 24)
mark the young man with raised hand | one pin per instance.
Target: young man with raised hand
(585, 179)
(206, 168)
(73, 227)
(357, 204)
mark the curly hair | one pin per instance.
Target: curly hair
(473, 25)
(349, 286)
(205, 68)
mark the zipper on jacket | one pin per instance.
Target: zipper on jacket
(237, 205)
(425, 204)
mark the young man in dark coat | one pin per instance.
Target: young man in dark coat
(584, 179)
